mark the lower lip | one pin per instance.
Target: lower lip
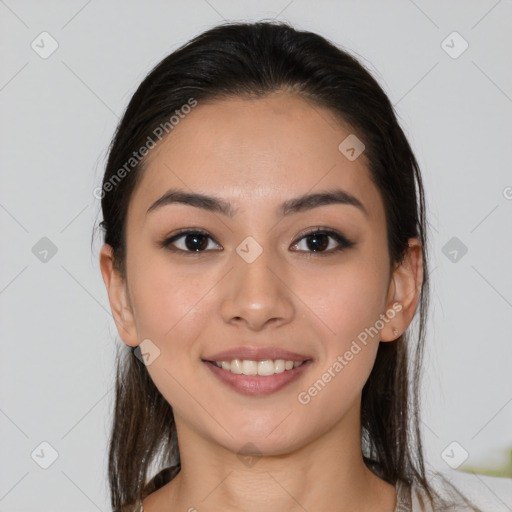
(258, 385)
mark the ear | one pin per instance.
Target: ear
(118, 297)
(403, 292)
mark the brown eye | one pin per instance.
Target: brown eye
(317, 242)
(189, 242)
(323, 241)
(196, 242)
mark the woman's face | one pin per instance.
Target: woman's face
(252, 279)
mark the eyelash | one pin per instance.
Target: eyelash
(343, 242)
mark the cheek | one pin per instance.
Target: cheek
(346, 302)
(168, 302)
(350, 307)
(171, 309)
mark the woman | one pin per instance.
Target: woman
(265, 253)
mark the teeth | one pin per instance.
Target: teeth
(264, 368)
(249, 367)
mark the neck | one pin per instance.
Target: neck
(327, 473)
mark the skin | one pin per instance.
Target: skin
(257, 153)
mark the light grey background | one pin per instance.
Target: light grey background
(58, 115)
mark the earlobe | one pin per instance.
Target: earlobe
(118, 297)
(404, 291)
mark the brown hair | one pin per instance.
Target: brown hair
(238, 59)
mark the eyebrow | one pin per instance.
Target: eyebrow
(295, 205)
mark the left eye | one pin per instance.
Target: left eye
(322, 241)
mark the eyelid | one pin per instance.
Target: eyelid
(319, 229)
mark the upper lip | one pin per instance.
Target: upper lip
(256, 354)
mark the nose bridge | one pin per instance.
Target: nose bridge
(254, 273)
(256, 294)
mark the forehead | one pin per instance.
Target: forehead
(262, 150)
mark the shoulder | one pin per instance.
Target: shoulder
(458, 490)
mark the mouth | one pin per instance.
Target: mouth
(257, 377)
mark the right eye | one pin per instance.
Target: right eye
(189, 241)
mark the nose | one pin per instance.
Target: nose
(256, 294)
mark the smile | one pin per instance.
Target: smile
(257, 378)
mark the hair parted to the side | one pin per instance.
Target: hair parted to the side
(255, 59)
